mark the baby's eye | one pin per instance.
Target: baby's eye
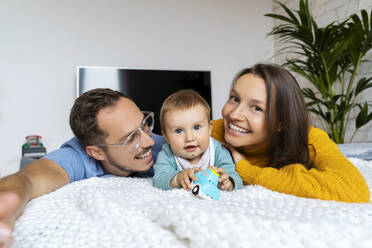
(196, 127)
(178, 130)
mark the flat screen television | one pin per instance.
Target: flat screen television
(147, 87)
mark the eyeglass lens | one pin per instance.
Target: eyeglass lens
(134, 139)
(148, 124)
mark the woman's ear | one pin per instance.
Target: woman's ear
(95, 152)
(280, 127)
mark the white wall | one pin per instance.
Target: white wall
(325, 12)
(42, 42)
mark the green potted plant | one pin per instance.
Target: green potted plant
(329, 58)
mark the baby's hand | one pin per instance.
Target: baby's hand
(183, 178)
(224, 182)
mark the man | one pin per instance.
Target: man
(112, 136)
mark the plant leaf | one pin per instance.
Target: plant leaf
(363, 117)
(279, 17)
(363, 84)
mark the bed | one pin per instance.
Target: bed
(130, 212)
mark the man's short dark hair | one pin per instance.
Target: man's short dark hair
(83, 116)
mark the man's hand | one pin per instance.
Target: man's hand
(224, 182)
(37, 178)
(183, 178)
(9, 203)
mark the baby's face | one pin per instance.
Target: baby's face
(187, 132)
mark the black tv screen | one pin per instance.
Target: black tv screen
(148, 88)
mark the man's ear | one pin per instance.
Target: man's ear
(95, 152)
(164, 135)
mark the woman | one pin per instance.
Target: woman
(266, 126)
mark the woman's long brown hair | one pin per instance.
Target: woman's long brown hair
(287, 116)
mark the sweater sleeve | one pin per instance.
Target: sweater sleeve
(333, 176)
(164, 168)
(224, 160)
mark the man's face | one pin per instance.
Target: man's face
(118, 122)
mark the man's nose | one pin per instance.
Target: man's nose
(146, 139)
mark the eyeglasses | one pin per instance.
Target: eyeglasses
(133, 140)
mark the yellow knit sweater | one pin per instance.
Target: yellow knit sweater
(333, 176)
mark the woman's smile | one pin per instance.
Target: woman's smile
(236, 129)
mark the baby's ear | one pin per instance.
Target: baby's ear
(164, 135)
(210, 127)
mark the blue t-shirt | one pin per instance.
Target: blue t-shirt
(79, 165)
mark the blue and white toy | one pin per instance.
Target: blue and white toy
(205, 186)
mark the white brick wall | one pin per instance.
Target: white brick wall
(325, 12)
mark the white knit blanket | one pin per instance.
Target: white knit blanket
(130, 212)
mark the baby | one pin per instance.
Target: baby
(186, 126)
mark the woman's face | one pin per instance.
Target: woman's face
(244, 113)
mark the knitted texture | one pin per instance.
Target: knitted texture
(130, 212)
(332, 177)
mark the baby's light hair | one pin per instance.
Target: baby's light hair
(183, 100)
